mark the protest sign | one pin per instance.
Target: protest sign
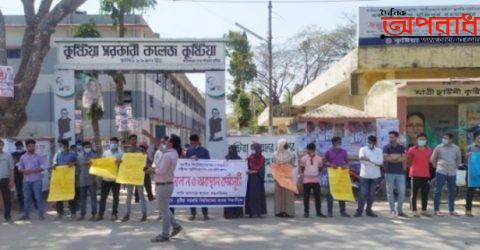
(340, 184)
(104, 167)
(474, 170)
(131, 169)
(62, 185)
(282, 173)
(209, 183)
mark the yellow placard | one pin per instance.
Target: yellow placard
(282, 173)
(340, 184)
(62, 184)
(104, 167)
(131, 169)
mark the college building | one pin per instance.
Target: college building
(162, 102)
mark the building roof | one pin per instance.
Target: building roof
(335, 111)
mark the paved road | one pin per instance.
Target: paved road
(266, 233)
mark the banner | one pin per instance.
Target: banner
(282, 173)
(131, 169)
(62, 185)
(340, 184)
(269, 145)
(209, 183)
(6, 81)
(474, 170)
(64, 105)
(104, 167)
(215, 115)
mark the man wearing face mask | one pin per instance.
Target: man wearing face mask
(371, 160)
(66, 157)
(110, 184)
(446, 158)
(418, 159)
(87, 183)
(474, 148)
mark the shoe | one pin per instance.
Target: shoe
(41, 217)
(416, 214)
(468, 214)
(159, 239)
(330, 214)
(321, 215)
(393, 214)
(344, 214)
(455, 214)
(402, 214)
(126, 218)
(280, 215)
(82, 217)
(426, 214)
(371, 214)
(114, 217)
(144, 218)
(9, 221)
(357, 214)
(93, 218)
(192, 218)
(100, 218)
(151, 198)
(23, 218)
(439, 214)
(306, 215)
(205, 217)
(73, 217)
(59, 217)
(176, 231)
(288, 216)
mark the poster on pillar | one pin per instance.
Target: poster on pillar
(215, 115)
(64, 106)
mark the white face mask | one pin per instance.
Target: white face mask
(88, 150)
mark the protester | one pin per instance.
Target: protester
(66, 157)
(394, 159)
(474, 147)
(161, 149)
(134, 148)
(31, 166)
(419, 161)
(164, 174)
(19, 151)
(284, 198)
(87, 182)
(255, 201)
(232, 212)
(196, 152)
(310, 165)
(336, 157)
(446, 158)
(371, 160)
(108, 184)
(6, 181)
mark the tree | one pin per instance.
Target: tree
(242, 108)
(40, 25)
(95, 111)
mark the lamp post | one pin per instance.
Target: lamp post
(270, 63)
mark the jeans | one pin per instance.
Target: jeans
(469, 198)
(19, 187)
(395, 181)
(7, 198)
(330, 203)
(451, 186)
(129, 198)
(420, 183)
(193, 211)
(307, 188)
(164, 192)
(92, 192)
(30, 190)
(72, 204)
(367, 194)
(106, 186)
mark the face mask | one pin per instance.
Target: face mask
(285, 146)
(422, 143)
(164, 147)
(371, 145)
(114, 146)
(254, 151)
(88, 150)
(79, 148)
(19, 150)
(445, 141)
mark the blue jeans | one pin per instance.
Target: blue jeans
(92, 192)
(30, 190)
(129, 198)
(451, 186)
(395, 182)
(367, 193)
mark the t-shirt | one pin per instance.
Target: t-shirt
(397, 167)
(6, 165)
(420, 159)
(311, 167)
(336, 156)
(370, 169)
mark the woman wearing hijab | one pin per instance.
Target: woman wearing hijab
(232, 212)
(284, 198)
(256, 204)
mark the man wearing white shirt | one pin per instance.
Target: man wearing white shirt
(371, 159)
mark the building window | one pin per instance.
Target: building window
(14, 53)
(151, 101)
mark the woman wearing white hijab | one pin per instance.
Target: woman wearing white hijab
(284, 198)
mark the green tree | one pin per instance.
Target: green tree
(95, 112)
(118, 9)
(40, 24)
(242, 108)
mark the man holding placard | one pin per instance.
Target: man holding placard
(66, 157)
(87, 183)
(473, 157)
(108, 184)
(336, 157)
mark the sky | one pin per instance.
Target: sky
(194, 19)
